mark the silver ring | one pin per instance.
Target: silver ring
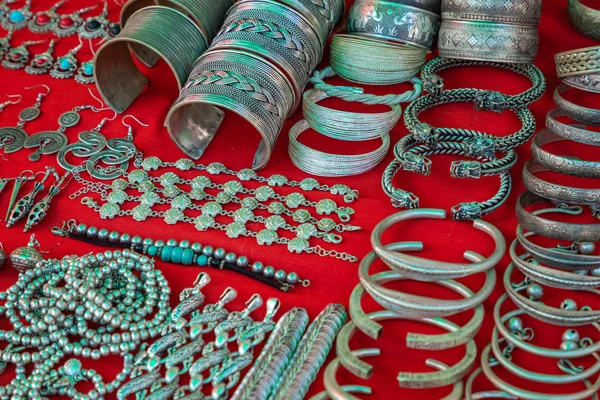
(484, 41)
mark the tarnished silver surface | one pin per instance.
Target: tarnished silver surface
(144, 55)
(238, 81)
(585, 19)
(484, 41)
(521, 12)
(556, 192)
(576, 133)
(553, 229)
(578, 61)
(394, 21)
(562, 164)
(590, 116)
(587, 82)
(166, 32)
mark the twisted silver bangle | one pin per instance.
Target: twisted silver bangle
(345, 125)
(319, 163)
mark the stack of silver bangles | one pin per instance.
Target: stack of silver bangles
(490, 30)
(256, 67)
(405, 306)
(490, 155)
(177, 31)
(386, 43)
(574, 268)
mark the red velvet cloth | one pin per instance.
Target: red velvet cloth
(331, 280)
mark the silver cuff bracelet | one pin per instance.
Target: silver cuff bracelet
(484, 41)
(520, 12)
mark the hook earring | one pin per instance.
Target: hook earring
(85, 73)
(40, 210)
(9, 102)
(17, 19)
(129, 128)
(41, 63)
(24, 205)
(17, 57)
(42, 21)
(95, 27)
(68, 24)
(65, 66)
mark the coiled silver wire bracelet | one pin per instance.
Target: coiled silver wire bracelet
(319, 163)
(274, 358)
(310, 354)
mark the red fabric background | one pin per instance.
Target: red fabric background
(332, 280)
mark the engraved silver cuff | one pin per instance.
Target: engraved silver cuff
(394, 21)
(555, 192)
(589, 116)
(576, 133)
(484, 41)
(521, 12)
(578, 61)
(553, 229)
(585, 19)
(563, 164)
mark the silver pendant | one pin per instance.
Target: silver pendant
(26, 257)
(47, 142)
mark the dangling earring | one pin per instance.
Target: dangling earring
(26, 257)
(95, 27)
(5, 44)
(50, 142)
(9, 102)
(40, 210)
(23, 206)
(68, 24)
(65, 66)
(17, 57)
(85, 72)
(12, 138)
(41, 63)
(118, 154)
(43, 21)
(19, 182)
(17, 19)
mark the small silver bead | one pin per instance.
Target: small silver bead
(269, 271)
(257, 267)
(242, 261)
(230, 258)
(103, 234)
(208, 251)
(220, 254)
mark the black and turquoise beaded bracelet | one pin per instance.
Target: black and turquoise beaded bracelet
(184, 253)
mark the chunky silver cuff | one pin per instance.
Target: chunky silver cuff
(521, 12)
(394, 21)
(484, 41)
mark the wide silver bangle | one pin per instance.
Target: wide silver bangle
(589, 116)
(577, 62)
(555, 192)
(316, 162)
(553, 229)
(241, 82)
(576, 133)
(164, 31)
(563, 164)
(484, 41)
(520, 12)
(430, 270)
(585, 19)
(394, 21)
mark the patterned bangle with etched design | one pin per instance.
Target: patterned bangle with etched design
(520, 12)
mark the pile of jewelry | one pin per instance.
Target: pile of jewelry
(85, 307)
(491, 155)
(61, 26)
(401, 305)
(380, 48)
(166, 189)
